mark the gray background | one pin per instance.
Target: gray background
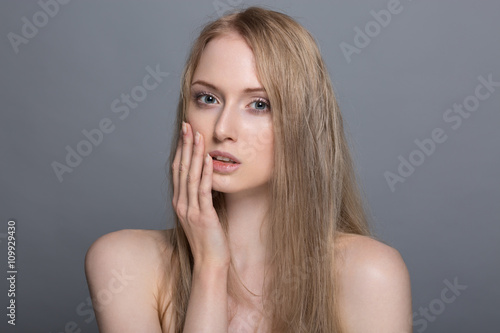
(444, 219)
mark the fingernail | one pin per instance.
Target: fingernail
(207, 159)
(184, 128)
(197, 138)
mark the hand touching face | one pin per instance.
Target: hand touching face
(231, 110)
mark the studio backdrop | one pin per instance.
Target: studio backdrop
(88, 93)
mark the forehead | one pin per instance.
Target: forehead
(227, 62)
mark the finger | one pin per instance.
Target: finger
(194, 176)
(187, 147)
(175, 170)
(205, 189)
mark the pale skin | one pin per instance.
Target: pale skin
(374, 281)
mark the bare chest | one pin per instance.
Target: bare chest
(242, 320)
(247, 321)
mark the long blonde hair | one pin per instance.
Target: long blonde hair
(313, 187)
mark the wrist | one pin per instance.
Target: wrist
(207, 269)
(212, 279)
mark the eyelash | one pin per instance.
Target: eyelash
(261, 100)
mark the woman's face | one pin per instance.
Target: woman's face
(230, 108)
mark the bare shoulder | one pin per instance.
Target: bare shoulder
(123, 270)
(367, 253)
(129, 247)
(374, 286)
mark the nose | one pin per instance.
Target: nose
(227, 123)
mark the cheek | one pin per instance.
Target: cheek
(198, 124)
(200, 121)
(264, 140)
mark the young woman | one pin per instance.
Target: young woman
(270, 231)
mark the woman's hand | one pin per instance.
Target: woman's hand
(192, 201)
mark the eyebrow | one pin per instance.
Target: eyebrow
(247, 90)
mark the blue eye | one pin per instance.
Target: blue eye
(260, 104)
(207, 99)
(204, 98)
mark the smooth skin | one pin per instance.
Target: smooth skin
(125, 269)
(192, 201)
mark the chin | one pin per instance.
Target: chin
(229, 185)
(224, 183)
(221, 183)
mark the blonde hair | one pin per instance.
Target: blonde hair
(313, 187)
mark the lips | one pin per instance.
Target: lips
(218, 153)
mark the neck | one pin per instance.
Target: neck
(247, 229)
